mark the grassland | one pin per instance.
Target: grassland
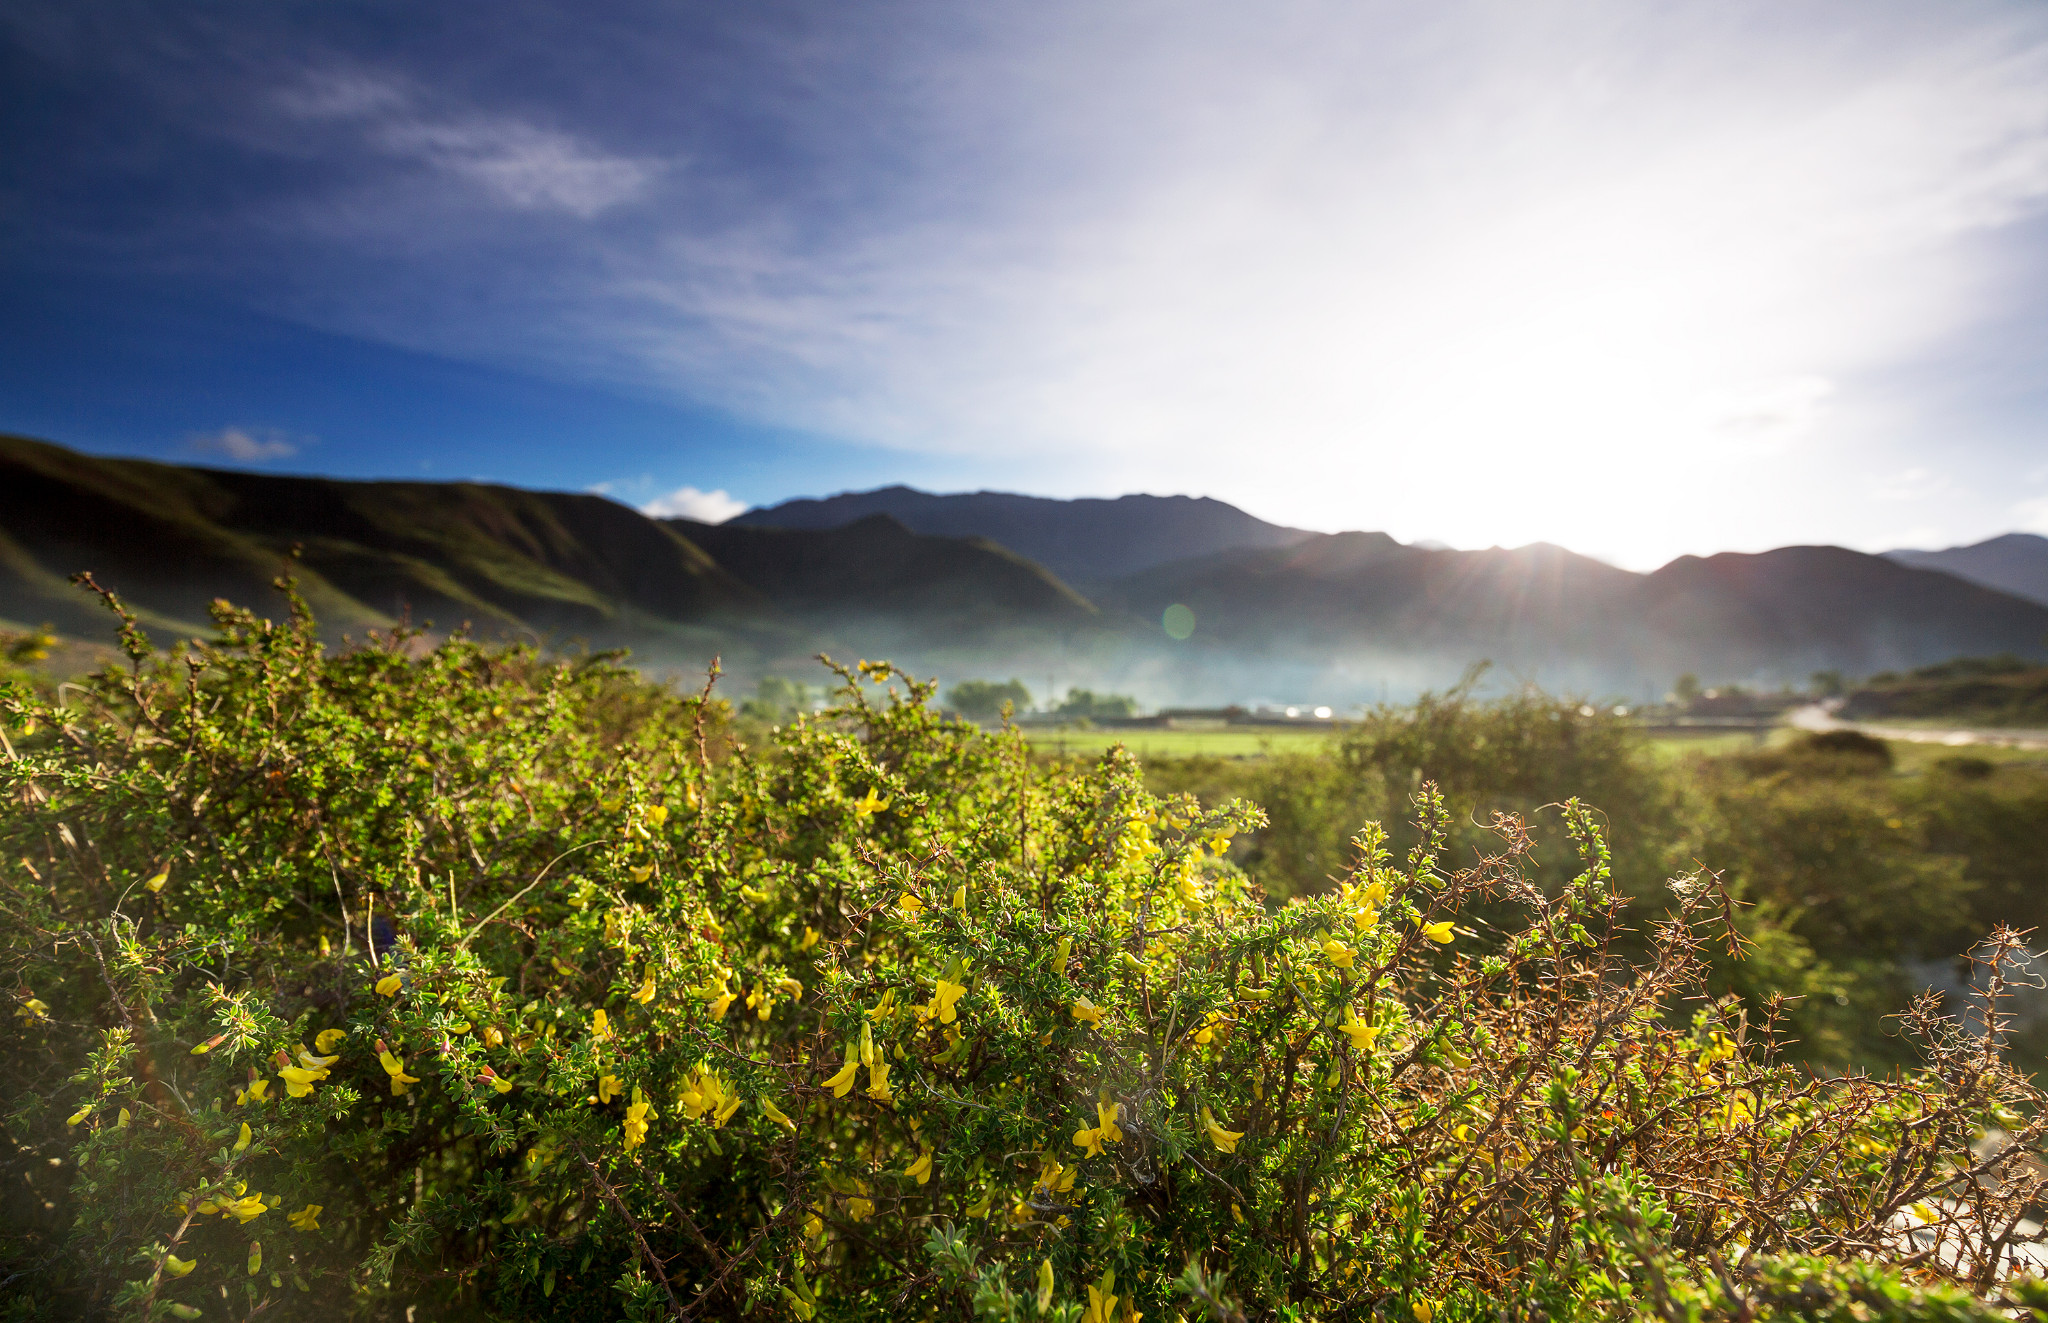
(1223, 742)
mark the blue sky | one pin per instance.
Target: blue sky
(1637, 279)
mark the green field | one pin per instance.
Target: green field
(1221, 742)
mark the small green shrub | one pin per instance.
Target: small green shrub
(462, 980)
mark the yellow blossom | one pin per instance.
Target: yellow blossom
(1423, 1310)
(156, 883)
(246, 1209)
(312, 1061)
(1087, 1012)
(35, 1008)
(299, 1083)
(242, 1141)
(307, 1218)
(178, 1267)
(1361, 1033)
(841, 1083)
(646, 992)
(388, 985)
(121, 1122)
(878, 1081)
(1089, 1141)
(789, 987)
(1339, 954)
(1101, 1303)
(944, 1000)
(79, 1115)
(258, 1090)
(1106, 1117)
(1440, 932)
(1221, 1138)
(609, 1087)
(396, 1070)
(810, 939)
(920, 1170)
(1045, 1285)
(328, 1039)
(495, 1080)
(635, 1125)
(869, 804)
(979, 1208)
(909, 903)
(640, 872)
(600, 1024)
(656, 814)
(755, 896)
(775, 1114)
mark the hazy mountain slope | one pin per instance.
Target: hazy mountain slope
(1572, 621)
(171, 539)
(1831, 608)
(2015, 563)
(1082, 541)
(877, 566)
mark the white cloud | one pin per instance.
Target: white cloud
(522, 165)
(688, 503)
(243, 445)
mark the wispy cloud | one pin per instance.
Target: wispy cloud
(247, 445)
(518, 163)
(688, 503)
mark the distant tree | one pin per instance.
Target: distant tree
(1829, 684)
(1686, 688)
(777, 700)
(1084, 703)
(982, 700)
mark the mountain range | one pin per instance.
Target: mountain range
(986, 583)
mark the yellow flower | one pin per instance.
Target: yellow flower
(157, 883)
(1101, 1304)
(1440, 933)
(789, 987)
(920, 1170)
(1366, 917)
(810, 939)
(869, 804)
(242, 1141)
(1423, 1310)
(299, 1083)
(609, 1087)
(312, 1062)
(1045, 1285)
(328, 1039)
(909, 903)
(600, 1024)
(947, 996)
(257, 1091)
(396, 1070)
(655, 814)
(979, 1208)
(878, 1082)
(640, 872)
(79, 1115)
(646, 992)
(755, 896)
(775, 1114)
(842, 1082)
(1361, 1033)
(1339, 954)
(635, 1125)
(1221, 1138)
(246, 1209)
(388, 985)
(1105, 1119)
(178, 1267)
(121, 1122)
(1087, 1012)
(1089, 1141)
(495, 1080)
(35, 1008)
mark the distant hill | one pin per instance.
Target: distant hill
(1969, 691)
(1574, 621)
(2015, 563)
(171, 539)
(1082, 541)
(877, 566)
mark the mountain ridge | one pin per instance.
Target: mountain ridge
(2015, 563)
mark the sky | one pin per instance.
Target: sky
(1641, 280)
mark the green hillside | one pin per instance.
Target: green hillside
(505, 561)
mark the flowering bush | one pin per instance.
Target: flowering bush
(458, 978)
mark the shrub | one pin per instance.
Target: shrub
(462, 979)
(983, 700)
